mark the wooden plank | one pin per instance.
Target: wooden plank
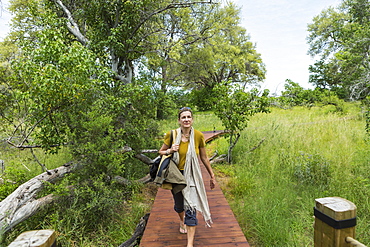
(163, 225)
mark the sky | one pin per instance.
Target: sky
(279, 30)
(4, 19)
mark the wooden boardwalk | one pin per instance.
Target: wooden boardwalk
(162, 229)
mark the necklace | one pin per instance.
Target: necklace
(186, 135)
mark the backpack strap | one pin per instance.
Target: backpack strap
(173, 137)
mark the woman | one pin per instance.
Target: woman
(188, 148)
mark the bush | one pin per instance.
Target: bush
(204, 98)
(312, 170)
(11, 179)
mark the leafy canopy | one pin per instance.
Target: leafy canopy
(339, 36)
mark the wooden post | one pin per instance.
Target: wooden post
(335, 219)
(37, 238)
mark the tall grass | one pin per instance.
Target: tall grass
(306, 154)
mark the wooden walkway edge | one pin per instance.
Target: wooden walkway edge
(162, 228)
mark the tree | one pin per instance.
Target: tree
(59, 95)
(178, 29)
(198, 52)
(120, 28)
(82, 63)
(234, 106)
(72, 85)
(228, 55)
(340, 37)
(295, 95)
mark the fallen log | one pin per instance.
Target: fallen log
(133, 241)
(125, 181)
(220, 159)
(22, 203)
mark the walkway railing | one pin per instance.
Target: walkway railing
(354, 242)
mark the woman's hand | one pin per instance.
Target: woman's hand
(212, 183)
(175, 148)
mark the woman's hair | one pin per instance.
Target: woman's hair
(184, 109)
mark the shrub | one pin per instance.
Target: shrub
(11, 179)
(312, 170)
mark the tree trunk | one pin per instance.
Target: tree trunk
(229, 151)
(232, 145)
(22, 203)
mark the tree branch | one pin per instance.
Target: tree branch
(32, 146)
(259, 144)
(37, 160)
(25, 139)
(170, 6)
(71, 24)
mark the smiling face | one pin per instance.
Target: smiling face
(186, 119)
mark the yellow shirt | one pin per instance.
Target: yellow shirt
(199, 142)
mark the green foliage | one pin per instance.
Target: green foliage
(204, 98)
(243, 66)
(339, 37)
(52, 85)
(225, 54)
(234, 107)
(333, 99)
(312, 170)
(107, 220)
(295, 95)
(197, 51)
(10, 180)
(63, 94)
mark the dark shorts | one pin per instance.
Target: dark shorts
(190, 215)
